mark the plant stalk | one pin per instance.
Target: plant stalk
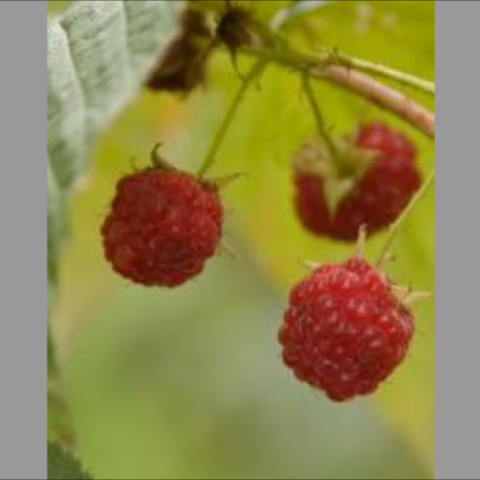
(396, 227)
(325, 66)
(383, 71)
(210, 157)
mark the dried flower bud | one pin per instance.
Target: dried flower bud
(183, 66)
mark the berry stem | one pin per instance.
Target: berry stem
(336, 57)
(360, 247)
(156, 160)
(383, 71)
(396, 227)
(255, 71)
(325, 66)
(320, 121)
(383, 96)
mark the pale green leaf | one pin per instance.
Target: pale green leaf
(99, 53)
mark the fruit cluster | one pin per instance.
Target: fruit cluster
(346, 327)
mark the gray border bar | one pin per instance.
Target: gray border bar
(23, 356)
(457, 450)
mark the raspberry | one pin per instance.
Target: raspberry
(163, 225)
(345, 331)
(376, 199)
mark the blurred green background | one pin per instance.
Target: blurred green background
(188, 383)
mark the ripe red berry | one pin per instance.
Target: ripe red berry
(377, 197)
(344, 330)
(162, 227)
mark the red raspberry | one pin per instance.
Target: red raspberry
(344, 330)
(376, 200)
(163, 225)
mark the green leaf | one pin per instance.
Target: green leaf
(61, 465)
(99, 53)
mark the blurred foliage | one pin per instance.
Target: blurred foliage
(188, 383)
(61, 465)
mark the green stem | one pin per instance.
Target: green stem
(321, 67)
(291, 56)
(320, 121)
(230, 114)
(396, 227)
(349, 73)
(375, 68)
